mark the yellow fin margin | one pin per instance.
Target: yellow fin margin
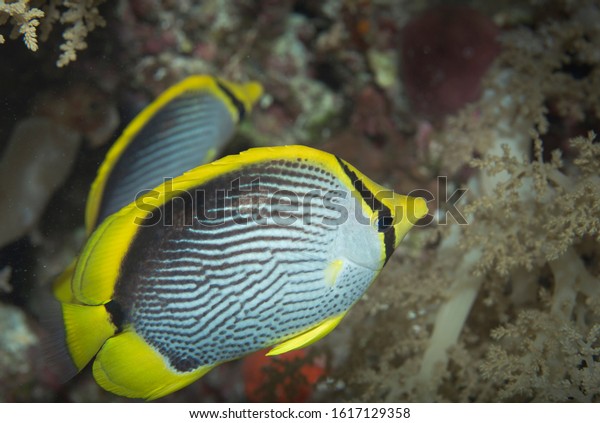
(309, 337)
(127, 366)
(252, 156)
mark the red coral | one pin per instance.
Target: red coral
(445, 52)
(284, 378)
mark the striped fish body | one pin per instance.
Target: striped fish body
(268, 248)
(186, 126)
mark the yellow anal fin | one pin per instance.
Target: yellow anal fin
(87, 328)
(127, 366)
(61, 287)
(308, 337)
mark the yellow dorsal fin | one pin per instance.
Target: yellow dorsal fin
(87, 328)
(308, 337)
(127, 366)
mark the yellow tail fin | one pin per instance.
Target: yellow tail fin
(87, 328)
(126, 365)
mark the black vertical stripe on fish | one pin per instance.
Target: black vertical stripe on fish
(380, 209)
(389, 236)
(236, 102)
(374, 204)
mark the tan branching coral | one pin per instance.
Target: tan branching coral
(24, 19)
(571, 373)
(506, 307)
(534, 189)
(80, 16)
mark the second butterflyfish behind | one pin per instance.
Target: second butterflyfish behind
(186, 126)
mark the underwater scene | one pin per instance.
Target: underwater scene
(193, 206)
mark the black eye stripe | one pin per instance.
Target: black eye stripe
(374, 204)
(236, 102)
(384, 222)
(389, 236)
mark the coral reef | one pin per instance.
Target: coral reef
(42, 148)
(503, 306)
(82, 17)
(529, 250)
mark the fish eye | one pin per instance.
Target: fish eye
(384, 222)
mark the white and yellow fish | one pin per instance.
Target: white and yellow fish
(268, 248)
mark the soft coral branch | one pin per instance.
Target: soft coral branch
(25, 20)
(82, 16)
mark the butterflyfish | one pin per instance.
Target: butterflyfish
(186, 126)
(266, 249)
